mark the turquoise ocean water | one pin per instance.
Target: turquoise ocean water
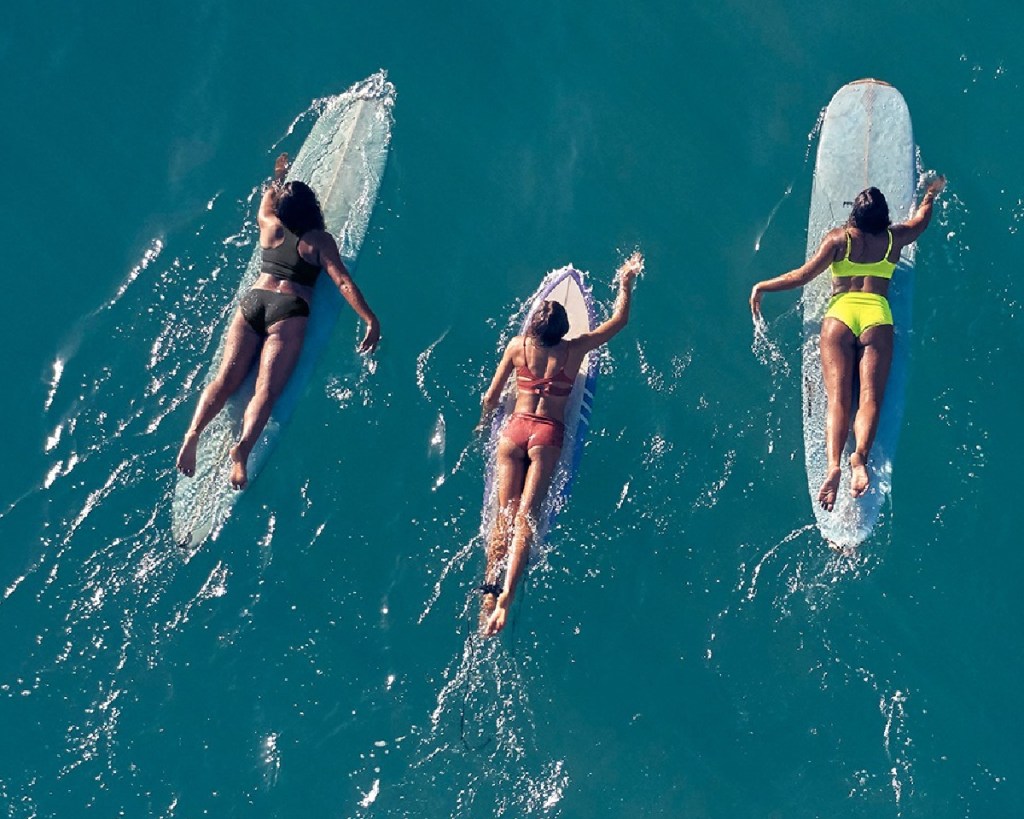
(685, 646)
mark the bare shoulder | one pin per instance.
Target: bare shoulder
(836, 237)
(831, 247)
(508, 354)
(903, 234)
(321, 245)
(320, 239)
(271, 232)
(578, 349)
(579, 344)
(832, 243)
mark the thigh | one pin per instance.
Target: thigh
(838, 355)
(280, 353)
(543, 460)
(240, 349)
(510, 469)
(875, 357)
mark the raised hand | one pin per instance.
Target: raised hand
(632, 267)
(281, 165)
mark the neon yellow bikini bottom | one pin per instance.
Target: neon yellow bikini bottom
(859, 311)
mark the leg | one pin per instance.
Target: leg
(240, 349)
(511, 468)
(280, 352)
(875, 360)
(543, 460)
(838, 350)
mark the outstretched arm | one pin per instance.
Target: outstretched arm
(489, 402)
(627, 273)
(330, 260)
(799, 276)
(267, 216)
(908, 232)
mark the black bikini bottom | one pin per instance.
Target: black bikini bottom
(263, 308)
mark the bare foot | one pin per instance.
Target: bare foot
(843, 551)
(858, 475)
(186, 462)
(487, 603)
(829, 489)
(239, 477)
(496, 622)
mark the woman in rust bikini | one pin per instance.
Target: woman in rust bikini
(545, 366)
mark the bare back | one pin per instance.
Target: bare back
(563, 359)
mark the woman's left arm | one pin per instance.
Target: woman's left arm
(814, 266)
(908, 231)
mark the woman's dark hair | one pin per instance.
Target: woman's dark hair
(549, 324)
(298, 208)
(870, 211)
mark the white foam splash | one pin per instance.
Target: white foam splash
(58, 371)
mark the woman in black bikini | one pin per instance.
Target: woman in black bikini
(531, 441)
(271, 317)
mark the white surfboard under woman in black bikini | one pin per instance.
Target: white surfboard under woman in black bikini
(545, 367)
(271, 318)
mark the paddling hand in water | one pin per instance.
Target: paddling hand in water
(857, 331)
(270, 324)
(545, 366)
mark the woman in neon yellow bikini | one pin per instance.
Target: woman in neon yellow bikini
(857, 331)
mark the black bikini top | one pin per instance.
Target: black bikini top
(285, 262)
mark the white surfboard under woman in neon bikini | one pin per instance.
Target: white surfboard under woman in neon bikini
(857, 331)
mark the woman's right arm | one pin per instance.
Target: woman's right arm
(799, 276)
(489, 402)
(267, 215)
(493, 394)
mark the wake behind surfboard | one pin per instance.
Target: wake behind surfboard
(866, 140)
(567, 286)
(343, 161)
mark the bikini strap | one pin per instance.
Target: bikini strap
(849, 244)
(888, 250)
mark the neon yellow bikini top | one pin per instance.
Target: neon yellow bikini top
(882, 269)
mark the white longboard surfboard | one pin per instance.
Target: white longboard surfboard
(568, 287)
(866, 140)
(343, 161)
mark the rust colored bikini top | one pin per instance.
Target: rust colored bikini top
(558, 385)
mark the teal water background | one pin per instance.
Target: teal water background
(686, 646)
